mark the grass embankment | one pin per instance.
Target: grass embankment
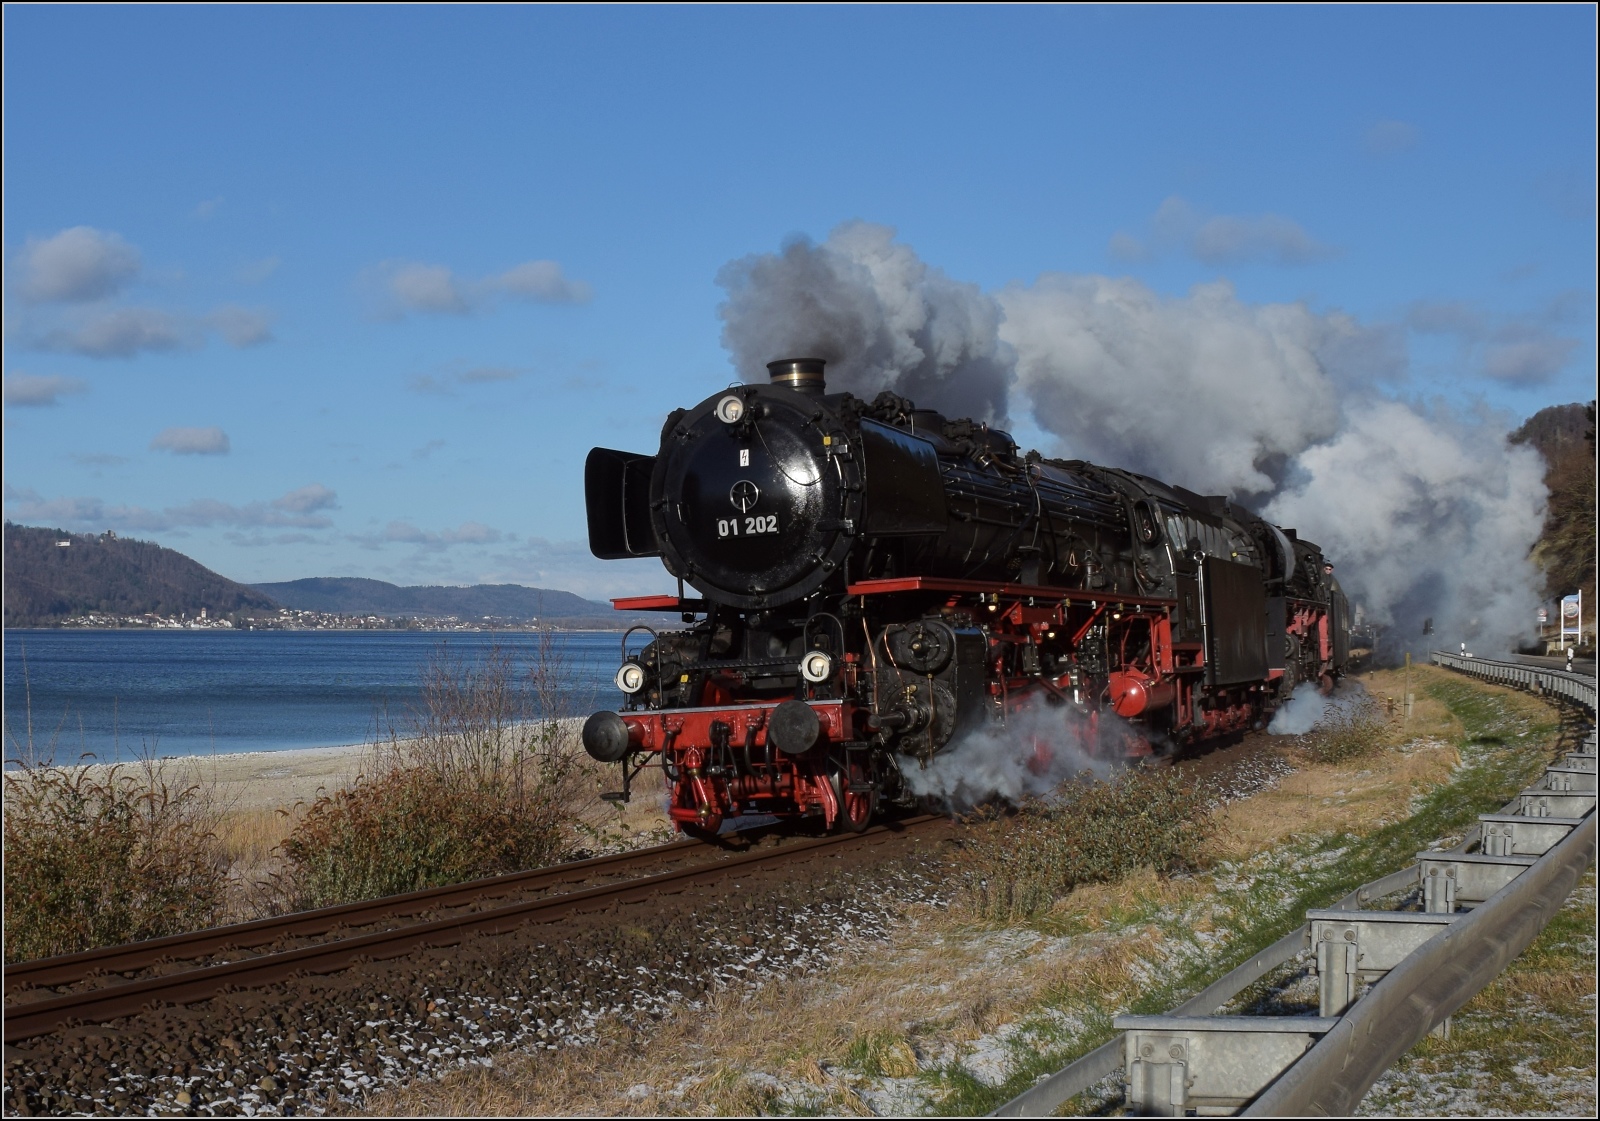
(961, 1012)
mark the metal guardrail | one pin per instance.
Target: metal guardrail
(1574, 686)
(1424, 965)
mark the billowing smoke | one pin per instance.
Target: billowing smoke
(1308, 707)
(881, 317)
(1428, 516)
(1426, 512)
(1226, 392)
(1039, 747)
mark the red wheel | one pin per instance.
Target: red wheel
(855, 807)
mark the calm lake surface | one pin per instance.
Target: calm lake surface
(118, 693)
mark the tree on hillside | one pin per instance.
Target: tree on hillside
(1565, 436)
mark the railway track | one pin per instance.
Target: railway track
(110, 983)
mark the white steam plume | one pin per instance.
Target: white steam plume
(1204, 391)
(1425, 513)
(1039, 747)
(1308, 707)
(1427, 516)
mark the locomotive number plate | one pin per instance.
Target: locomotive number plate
(747, 527)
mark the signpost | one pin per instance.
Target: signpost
(1572, 619)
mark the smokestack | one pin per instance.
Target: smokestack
(804, 375)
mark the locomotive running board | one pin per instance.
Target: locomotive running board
(1010, 591)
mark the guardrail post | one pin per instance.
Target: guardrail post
(1555, 803)
(1209, 1065)
(1337, 973)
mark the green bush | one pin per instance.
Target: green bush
(96, 856)
(482, 781)
(1089, 833)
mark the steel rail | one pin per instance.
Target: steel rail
(25, 1021)
(67, 969)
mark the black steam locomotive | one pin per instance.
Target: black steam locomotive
(874, 578)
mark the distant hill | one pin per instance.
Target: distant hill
(1565, 437)
(1556, 431)
(47, 582)
(348, 595)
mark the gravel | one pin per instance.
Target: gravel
(303, 1046)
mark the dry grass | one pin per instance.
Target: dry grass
(95, 856)
(888, 1014)
(1365, 790)
(1014, 867)
(480, 783)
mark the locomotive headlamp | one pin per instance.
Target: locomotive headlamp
(730, 410)
(816, 667)
(630, 678)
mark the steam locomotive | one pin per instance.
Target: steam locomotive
(875, 579)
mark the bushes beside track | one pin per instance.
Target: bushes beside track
(100, 855)
(478, 782)
(1017, 866)
(1348, 732)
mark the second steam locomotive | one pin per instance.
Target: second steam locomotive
(875, 579)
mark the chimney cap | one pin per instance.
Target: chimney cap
(803, 374)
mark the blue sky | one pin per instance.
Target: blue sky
(351, 291)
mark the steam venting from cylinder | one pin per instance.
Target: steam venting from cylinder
(804, 375)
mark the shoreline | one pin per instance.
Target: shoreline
(272, 778)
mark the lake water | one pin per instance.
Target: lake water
(119, 693)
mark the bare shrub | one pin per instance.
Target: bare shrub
(481, 780)
(1348, 731)
(100, 855)
(1014, 867)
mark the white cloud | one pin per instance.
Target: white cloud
(1426, 515)
(307, 499)
(1220, 239)
(569, 566)
(191, 441)
(76, 265)
(128, 331)
(255, 272)
(542, 282)
(431, 288)
(205, 210)
(36, 391)
(203, 513)
(241, 327)
(1519, 350)
(446, 384)
(98, 459)
(1226, 390)
(1387, 138)
(404, 533)
(1526, 356)
(414, 286)
(121, 333)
